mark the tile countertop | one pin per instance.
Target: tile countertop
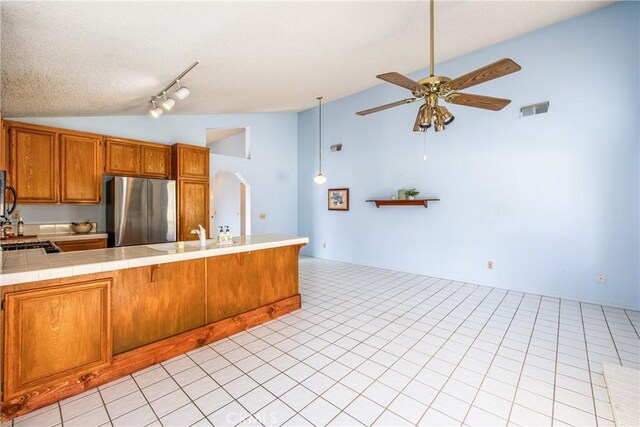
(34, 265)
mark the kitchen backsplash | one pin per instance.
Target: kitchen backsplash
(62, 214)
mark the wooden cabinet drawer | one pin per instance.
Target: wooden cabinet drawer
(55, 333)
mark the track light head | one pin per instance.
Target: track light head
(182, 92)
(168, 102)
(155, 111)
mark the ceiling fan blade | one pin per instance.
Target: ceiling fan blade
(478, 101)
(400, 80)
(492, 71)
(384, 107)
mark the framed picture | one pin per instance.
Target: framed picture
(338, 199)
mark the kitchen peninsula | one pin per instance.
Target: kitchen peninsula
(77, 320)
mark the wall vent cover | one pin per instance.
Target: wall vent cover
(532, 110)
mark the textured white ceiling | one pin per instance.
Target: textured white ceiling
(107, 58)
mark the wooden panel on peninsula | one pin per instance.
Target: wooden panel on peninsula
(241, 282)
(155, 302)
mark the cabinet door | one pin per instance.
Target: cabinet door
(34, 165)
(80, 169)
(122, 157)
(156, 161)
(192, 162)
(193, 207)
(55, 333)
(156, 302)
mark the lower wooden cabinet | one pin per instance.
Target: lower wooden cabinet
(241, 282)
(55, 333)
(81, 245)
(155, 302)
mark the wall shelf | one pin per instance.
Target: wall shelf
(415, 202)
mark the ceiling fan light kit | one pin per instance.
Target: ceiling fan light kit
(434, 88)
(167, 102)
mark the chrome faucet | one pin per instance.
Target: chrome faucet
(202, 234)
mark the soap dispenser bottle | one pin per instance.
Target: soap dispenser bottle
(221, 235)
(229, 237)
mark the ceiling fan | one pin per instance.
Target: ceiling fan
(434, 88)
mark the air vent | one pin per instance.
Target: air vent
(336, 147)
(532, 110)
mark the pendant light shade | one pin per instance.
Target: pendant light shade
(320, 179)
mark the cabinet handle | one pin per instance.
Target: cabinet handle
(153, 273)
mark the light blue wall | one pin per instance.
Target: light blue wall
(552, 200)
(271, 171)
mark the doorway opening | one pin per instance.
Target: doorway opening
(230, 204)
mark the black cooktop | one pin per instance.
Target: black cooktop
(48, 246)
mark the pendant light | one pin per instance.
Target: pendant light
(320, 179)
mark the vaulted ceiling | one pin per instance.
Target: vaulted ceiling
(68, 58)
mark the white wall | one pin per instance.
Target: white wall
(552, 200)
(271, 171)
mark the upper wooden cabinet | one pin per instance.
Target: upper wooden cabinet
(190, 162)
(136, 158)
(121, 157)
(55, 334)
(80, 169)
(190, 167)
(156, 160)
(193, 207)
(34, 164)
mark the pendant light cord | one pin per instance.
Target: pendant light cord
(319, 134)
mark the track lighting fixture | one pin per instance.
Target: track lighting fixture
(167, 102)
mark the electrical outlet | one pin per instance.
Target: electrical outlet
(490, 265)
(600, 279)
(262, 216)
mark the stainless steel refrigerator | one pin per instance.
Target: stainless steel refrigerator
(140, 211)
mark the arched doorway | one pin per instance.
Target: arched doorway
(230, 203)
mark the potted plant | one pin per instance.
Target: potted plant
(411, 194)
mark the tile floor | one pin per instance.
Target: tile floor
(380, 347)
